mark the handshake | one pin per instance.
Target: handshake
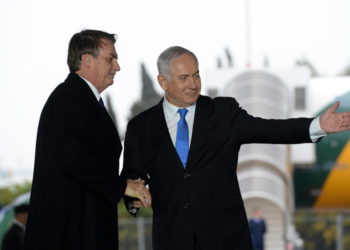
(137, 189)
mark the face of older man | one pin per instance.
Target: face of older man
(184, 86)
(104, 66)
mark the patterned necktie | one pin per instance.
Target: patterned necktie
(182, 137)
(101, 102)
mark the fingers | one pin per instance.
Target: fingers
(137, 204)
(345, 116)
(137, 189)
(334, 107)
(343, 120)
(145, 197)
(139, 180)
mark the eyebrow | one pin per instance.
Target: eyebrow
(186, 75)
(195, 73)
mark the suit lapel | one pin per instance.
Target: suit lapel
(200, 127)
(199, 132)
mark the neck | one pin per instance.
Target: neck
(88, 77)
(180, 106)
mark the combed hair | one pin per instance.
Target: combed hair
(164, 59)
(85, 42)
(23, 208)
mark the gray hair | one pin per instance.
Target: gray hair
(164, 59)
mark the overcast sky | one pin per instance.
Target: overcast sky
(35, 35)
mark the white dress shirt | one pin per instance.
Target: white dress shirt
(316, 132)
(21, 225)
(172, 117)
(93, 89)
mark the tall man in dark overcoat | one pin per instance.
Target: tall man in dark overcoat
(76, 182)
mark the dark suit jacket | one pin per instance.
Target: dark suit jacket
(203, 202)
(257, 231)
(13, 238)
(76, 186)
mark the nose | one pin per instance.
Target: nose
(116, 66)
(192, 83)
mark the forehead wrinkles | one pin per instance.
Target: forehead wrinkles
(107, 46)
(104, 42)
(184, 67)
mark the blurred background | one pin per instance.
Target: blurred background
(279, 59)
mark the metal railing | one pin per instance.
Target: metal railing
(135, 233)
(323, 231)
(319, 231)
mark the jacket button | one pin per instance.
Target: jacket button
(187, 175)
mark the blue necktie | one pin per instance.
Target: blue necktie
(182, 137)
(101, 102)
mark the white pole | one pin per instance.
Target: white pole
(340, 233)
(141, 242)
(248, 38)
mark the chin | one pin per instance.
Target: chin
(191, 102)
(193, 99)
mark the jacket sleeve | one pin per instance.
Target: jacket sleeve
(133, 167)
(252, 129)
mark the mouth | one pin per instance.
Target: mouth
(112, 76)
(192, 93)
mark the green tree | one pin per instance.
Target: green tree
(149, 95)
(9, 194)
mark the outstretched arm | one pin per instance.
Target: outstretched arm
(333, 122)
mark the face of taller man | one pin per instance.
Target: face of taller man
(104, 66)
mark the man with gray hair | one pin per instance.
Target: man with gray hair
(186, 148)
(76, 186)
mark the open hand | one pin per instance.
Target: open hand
(333, 122)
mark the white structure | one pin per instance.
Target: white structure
(264, 170)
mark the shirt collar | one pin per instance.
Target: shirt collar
(18, 224)
(171, 109)
(93, 88)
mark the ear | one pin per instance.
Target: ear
(86, 60)
(163, 82)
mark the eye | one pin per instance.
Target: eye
(182, 77)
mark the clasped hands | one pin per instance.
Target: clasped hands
(137, 189)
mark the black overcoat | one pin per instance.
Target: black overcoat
(76, 186)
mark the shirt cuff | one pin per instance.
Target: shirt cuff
(132, 209)
(316, 132)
